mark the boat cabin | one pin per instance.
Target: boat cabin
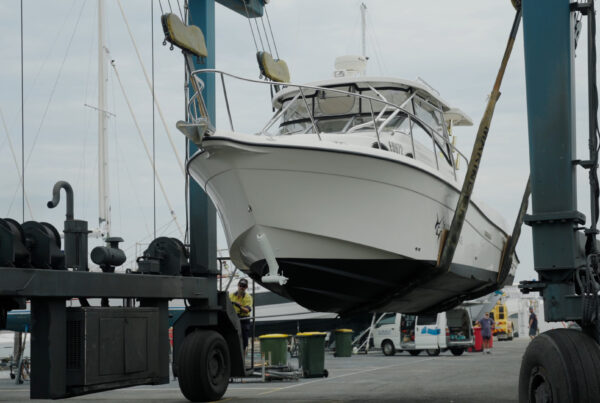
(398, 116)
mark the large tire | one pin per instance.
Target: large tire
(561, 365)
(388, 348)
(457, 351)
(433, 352)
(204, 366)
(414, 352)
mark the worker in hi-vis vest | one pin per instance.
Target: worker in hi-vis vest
(242, 303)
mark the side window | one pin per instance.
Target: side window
(426, 319)
(334, 103)
(389, 319)
(423, 145)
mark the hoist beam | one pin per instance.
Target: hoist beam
(202, 212)
(252, 9)
(549, 72)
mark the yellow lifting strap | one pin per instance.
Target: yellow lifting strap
(275, 70)
(188, 38)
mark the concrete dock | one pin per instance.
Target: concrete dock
(472, 377)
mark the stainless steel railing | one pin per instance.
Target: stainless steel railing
(379, 121)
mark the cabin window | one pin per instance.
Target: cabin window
(338, 125)
(333, 103)
(429, 114)
(389, 319)
(395, 96)
(295, 128)
(426, 319)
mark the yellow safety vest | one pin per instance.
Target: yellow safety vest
(245, 301)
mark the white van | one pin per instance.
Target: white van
(451, 330)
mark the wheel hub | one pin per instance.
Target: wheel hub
(216, 366)
(539, 387)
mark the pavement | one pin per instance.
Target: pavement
(472, 377)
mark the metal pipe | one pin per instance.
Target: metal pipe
(310, 114)
(279, 113)
(227, 102)
(437, 163)
(412, 139)
(593, 127)
(375, 124)
(56, 197)
(253, 323)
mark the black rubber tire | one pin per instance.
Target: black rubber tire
(414, 352)
(388, 348)
(204, 366)
(433, 353)
(457, 351)
(561, 365)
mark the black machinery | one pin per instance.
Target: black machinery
(86, 349)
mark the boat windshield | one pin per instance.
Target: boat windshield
(334, 112)
(338, 112)
(341, 124)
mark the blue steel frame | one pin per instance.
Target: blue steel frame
(549, 67)
(202, 212)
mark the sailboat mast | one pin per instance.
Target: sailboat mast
(363, 28)
(103, 194)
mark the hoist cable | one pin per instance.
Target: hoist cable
(250, 24)
(186, 81)
(170, 8)
(162, 12)
(25, 162)
(22, 123)
(179, 7)
(262, 45)
(153, 121)
(271, 30)
(266, 35)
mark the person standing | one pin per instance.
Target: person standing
(242, 303)
(486, 324)
(533, 323)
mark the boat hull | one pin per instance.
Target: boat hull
(351, 231)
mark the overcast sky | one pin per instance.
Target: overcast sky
(455, 46)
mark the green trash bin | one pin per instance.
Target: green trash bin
(343, 343)
(312, 354)
(274, 349)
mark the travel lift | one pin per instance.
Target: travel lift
(88, 349)
(561, 365)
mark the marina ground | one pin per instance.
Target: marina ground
(472, 377)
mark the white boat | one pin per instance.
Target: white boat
(346, 192)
